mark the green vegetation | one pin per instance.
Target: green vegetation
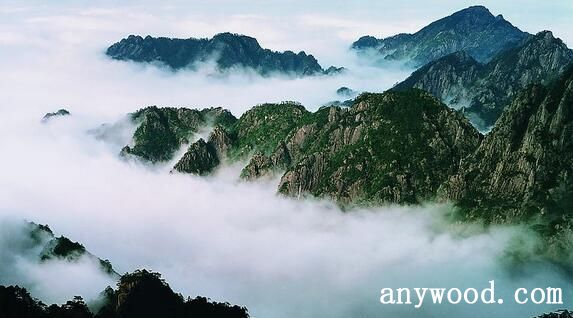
(162, 131)
(262, 128)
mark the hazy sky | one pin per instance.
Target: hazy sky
(215, 236)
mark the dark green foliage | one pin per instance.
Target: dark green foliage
(16, 302)
(62, 247)
(264, 126)
(396, 147)
(143, 294)
(229, 51)
(162, 131)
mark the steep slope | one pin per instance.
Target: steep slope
(379, 150)
(226, 49)
(161, 131)
(522, 171)
(39, 244)
(392, 147)
(484, 90)
(474, 30)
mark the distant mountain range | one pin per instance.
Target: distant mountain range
(484, 90)
(228, 51)
(474, 30)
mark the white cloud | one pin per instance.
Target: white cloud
(215, 236)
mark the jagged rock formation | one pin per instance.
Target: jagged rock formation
(201, 158)
(223, 141)
(391, 147)
(141, 294)
(59, 113)
(381, 149)
(522, 171)
(474, 30)
(162, 131)
(227, 50)
(483, 90)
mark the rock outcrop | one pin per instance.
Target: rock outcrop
(228, 51)
(474, 30)
(58, 113)
(522, 172)
(483, 91)
(390, 147)
(161, 131)
(201, 158)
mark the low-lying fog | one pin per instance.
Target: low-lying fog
(214, 236)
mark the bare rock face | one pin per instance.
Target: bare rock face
(222, 141)
(261, 165)
(523, 170)
(201, 159)
(391, 147)
(524, 166)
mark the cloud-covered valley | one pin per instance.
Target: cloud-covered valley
(215, 236)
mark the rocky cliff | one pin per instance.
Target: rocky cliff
(474, 30)
(393, 147)
(227, 50)
(484, 90)
(161, 131)
(522, 171)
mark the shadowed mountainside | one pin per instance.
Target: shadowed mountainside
(474, 30)
(227, 50)
(484, 90)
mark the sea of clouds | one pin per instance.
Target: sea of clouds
(215, 236)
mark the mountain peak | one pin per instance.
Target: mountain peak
(545, 34)
(474, 29)
(475, 9)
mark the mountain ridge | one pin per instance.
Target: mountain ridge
(484, 90)
(227, 50)
(473, 29)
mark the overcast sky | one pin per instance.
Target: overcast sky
(300, 24)
(232, 241)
